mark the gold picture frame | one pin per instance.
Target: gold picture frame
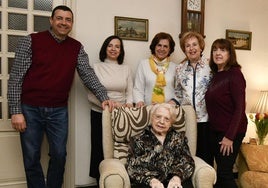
(240, 39)
(131, 28)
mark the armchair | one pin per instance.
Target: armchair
(123, 123)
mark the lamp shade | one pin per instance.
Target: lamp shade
(262, 104)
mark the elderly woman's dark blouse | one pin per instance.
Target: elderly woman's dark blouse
(148, 158)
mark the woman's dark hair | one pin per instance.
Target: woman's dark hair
(160, 36)
(103, 54)
(227, 45)
(61, 7)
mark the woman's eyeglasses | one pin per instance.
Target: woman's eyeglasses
(161, 118)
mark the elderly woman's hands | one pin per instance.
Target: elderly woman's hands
(174, 182)
(155, 183)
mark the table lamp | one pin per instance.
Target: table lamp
(262, 104)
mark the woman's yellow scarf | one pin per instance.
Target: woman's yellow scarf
(158, 94)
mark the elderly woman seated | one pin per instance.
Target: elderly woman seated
(160, 157)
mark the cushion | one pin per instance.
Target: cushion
(128, 122)
(251, 179)
(256, 157)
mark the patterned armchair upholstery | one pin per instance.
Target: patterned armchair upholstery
(253, 166)
(124, 123)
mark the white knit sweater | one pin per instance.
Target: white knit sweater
(117, 79)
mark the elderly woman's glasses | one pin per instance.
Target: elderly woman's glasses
(161, 118)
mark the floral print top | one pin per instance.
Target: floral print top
(191, 86)
(148, 158)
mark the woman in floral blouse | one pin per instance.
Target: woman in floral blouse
(192, 79)
(160, 156)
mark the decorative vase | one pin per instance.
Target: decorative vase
(261, 140)
(261, 122)
(261, 132)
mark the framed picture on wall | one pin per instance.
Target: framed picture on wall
(131, 28)
(240, 39)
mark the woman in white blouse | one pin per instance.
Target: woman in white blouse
(155, 76)
(117, 79)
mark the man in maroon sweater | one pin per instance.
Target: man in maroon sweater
(38, 90)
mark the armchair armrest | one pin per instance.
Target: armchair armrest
(204, 175)
(107, 139)
(113, 174)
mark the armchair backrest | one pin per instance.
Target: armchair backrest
(123, 123)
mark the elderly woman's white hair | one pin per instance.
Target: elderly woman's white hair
(169, 107)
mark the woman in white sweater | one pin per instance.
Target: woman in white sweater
(155, 76)
(117, 79)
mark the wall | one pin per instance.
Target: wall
(249, 16)
(94, 21)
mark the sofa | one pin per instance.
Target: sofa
(122, 123)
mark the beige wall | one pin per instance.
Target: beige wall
(94, 21)
(243, 15)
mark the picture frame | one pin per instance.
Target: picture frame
(131, 28)
(240, 39)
